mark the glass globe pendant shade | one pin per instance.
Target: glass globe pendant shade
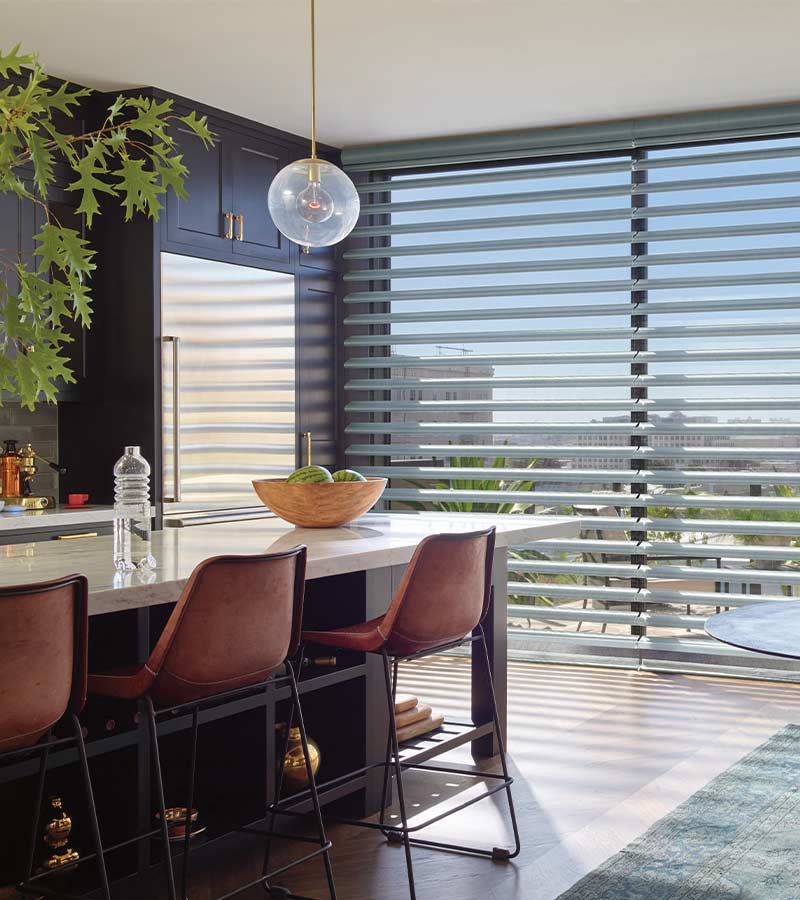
(313, 203)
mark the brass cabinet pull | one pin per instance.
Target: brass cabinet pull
(239, 236)
(228, 226)
(74, 537)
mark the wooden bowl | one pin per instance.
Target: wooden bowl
(319, 504)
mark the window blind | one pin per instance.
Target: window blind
(614, 337)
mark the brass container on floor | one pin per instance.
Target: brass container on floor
(295, 775)
(56, 836)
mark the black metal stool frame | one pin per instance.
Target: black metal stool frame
(266, 877)
(402, 833)
(32, 884)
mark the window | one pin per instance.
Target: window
(615, 338)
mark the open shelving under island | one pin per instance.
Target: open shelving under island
(351, 575)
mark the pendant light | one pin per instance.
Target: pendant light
(311, 201)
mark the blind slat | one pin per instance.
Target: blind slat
(687, 356)
(575, 263)
(561, 170)
(562, 218)
(733, 329)
(595, 476)
(581, 193)
(554, 451)
(669, 307)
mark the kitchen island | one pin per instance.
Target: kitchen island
(351, 576)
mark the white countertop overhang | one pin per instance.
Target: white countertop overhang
(374, 541)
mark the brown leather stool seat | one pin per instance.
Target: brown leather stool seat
(236, 623)
(441, 602)
(43, 641)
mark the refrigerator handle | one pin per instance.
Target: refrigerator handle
(176, 417)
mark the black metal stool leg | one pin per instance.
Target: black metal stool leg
(87, 781)
(187, 838)
(385, 791)
(502, 751)
(151, 721)
(323, 841)
(278, 789)
(497, 853)
(398, 774)
(37, 811)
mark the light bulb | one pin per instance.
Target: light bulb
(314, 203)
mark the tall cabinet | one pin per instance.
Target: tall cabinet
(225, 218)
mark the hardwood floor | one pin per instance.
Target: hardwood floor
(598, 754)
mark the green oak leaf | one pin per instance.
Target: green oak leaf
(140, 188)
(43, 162)
(13, 62)
(63, 99)
(89, 168)
(199, 125)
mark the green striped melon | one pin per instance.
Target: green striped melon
(348, 475)
(310, 475)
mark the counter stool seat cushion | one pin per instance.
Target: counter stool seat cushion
(124, 683)
(365, 637)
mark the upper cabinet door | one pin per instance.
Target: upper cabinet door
(254, 163)
(206, 216)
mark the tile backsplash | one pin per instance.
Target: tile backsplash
(40, 427)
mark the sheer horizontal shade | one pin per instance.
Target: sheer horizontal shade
(611, 337)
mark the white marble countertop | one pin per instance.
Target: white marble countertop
(372, 542)
(54, 518)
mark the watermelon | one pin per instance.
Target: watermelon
(310, 475)
(348, 475)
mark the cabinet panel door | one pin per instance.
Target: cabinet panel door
(254, 164)
(199, 220)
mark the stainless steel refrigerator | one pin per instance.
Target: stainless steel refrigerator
(228, 386)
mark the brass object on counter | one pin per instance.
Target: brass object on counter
(17, 471)
(9, 470)
(29, 502)
(295, 774)
(56, 836)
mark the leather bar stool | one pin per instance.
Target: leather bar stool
(441, 603)
(236, 623)
(42, 682)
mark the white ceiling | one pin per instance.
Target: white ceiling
(400, 69)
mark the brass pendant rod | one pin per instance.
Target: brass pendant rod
(313, 85)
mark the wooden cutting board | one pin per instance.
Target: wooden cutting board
(433, 722)
(402, 702)
(415, 714)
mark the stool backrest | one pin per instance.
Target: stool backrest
(43, 634)
(444, 593)
(238, 618)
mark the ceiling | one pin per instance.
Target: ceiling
(400, 69)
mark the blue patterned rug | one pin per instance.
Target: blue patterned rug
(736, 839)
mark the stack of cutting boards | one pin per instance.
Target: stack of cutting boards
(414, 718)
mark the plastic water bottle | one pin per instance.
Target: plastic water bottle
(132, 522)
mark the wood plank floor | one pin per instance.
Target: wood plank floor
(598, 754)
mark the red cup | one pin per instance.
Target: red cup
(77, 499)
